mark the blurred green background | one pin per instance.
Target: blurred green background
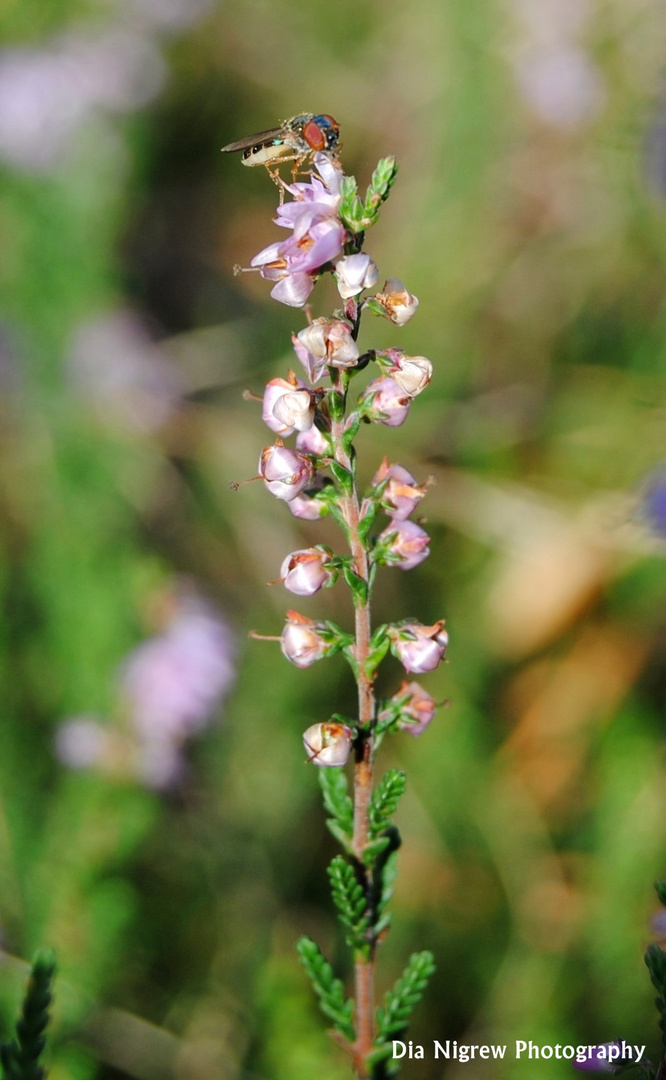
(529, 218)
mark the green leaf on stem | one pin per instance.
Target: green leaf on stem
(333, 784)
(385, 799)
(351, 207)
(376, 655)
(336, 405)
(358, 586)
(351, 903)
(393, 1017)
(383, 877)
(21, 1057)
(343, 477)
(330, 991)
(660, 887)
(369, 514)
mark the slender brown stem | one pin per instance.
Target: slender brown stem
(363, 769)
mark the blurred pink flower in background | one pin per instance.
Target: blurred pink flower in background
(169, 688)
(127, 378)
(48, 92)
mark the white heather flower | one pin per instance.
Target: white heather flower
(355, 273)
(330, 343)
(304, 572)
(287, 406)
(285, 472)
(328, 744)
(301, 641)
(398, 304)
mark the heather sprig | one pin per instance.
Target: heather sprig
(327, 219)
(21, 1058)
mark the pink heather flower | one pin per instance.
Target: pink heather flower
(403, 544)
(301, 641)
(328, 744)
(304, 572)
(354, 274)
(398, 304)
(412, 373)
(288, 406)
(314, 201)
(401, 494)
(295, 263)
(417, 712)
(419, 648)
(385, 402)
(326, 342)
(285, 472)
(172, 683)
(598, 1058)
(306, 505)
(81, 742)
(313, 441)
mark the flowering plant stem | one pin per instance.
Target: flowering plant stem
(364, 748)
(329, 220)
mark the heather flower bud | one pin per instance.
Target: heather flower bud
(403, 544)
(401, 494)
(328, 342)
(419, 648)
(288, 406)
(398, 304)
(304, 572)
(355, 273)
(385, 402)
(412, 373)
(414, 713)
(328, 744)
(285, 472)
(301, 640)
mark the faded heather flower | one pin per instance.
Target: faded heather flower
(328, 744)
(398, 304)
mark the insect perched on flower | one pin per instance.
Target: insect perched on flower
(295, 140)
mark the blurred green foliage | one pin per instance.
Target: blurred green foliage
(528, 217)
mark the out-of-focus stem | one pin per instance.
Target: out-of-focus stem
(364, 967)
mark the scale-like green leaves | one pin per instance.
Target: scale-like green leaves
(352, 905)
(329, 990)
(337, 802)
(393, 1017)
(22, 1056)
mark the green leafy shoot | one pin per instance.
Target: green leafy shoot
(330, 991)
(385, 799)
(655, 958)
(333, 783)
(384, 875)
(21, 1058)
(351, 903)
(393, 1017)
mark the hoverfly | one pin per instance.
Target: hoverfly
(295, 140)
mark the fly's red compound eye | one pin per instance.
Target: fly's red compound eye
(314, 136)
(322, 133)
